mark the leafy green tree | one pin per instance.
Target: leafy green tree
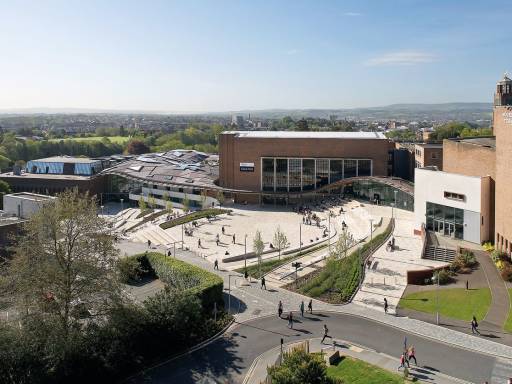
(280, 240)
(186, 203)
(345, 241)
(142, 203)
(151, 201)
(258, 246)
(220, 197)
(64, 266)
(204, 200)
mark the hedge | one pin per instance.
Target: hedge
(193, 216)
(183, 276)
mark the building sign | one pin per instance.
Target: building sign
(507, 117)
(246, 167)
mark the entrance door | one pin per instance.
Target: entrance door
(439, 226)
(449, 229)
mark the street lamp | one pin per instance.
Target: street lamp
(245, 252)
(437, 299)
(182, 230)
(122, 207)
(102, 209)
(395, 192)
(296, 266)
(229, 293)
(371, 235)
(329, 238)
(300, 238)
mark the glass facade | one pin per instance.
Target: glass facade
(445, 220)
(296, 175)
(381, 193)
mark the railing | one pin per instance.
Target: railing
(438, 253)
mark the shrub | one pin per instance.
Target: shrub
(506, 271)
(444, 277)
(488, 247)
(182, 276)
(464, 260)
(134, 268)
(193, 216)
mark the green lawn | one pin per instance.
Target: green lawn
(359, 372)
(456, 303)
(113, 139)
(508, 323)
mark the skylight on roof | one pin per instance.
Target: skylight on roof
(136, 168)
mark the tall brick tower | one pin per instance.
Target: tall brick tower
(502, 128)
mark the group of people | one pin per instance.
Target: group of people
(407, 355)
(290, 314)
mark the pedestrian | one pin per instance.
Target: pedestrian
(233, 238)
(216, 264)
(474, 326)
(280, 308)
(326, 334)
(290, 320)
(217, 241)
(393, 243)
(412, 354)
(246, 274)
(169, 253)
(223, 230)
(149, 243)
(302, 308)
(310, 306)
(263, 285)
(467, 285)
(198, 243)
(402, 362)
(385, 305)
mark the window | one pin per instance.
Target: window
(364, 167)
(350, 168)
(281, 175)
(294, 174)
(308, 174)
(336, 170)
(454, 196)
(322, 172)
(268, 174)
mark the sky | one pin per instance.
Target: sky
(201, 56)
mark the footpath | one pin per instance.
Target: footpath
(258, 371)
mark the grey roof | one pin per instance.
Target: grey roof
(67, 159)
(177, 167)
(306, 135)
(485, 141)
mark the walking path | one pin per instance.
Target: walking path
(258, 370)
(387, 275)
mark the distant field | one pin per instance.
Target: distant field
(113, 139)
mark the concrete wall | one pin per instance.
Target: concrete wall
(503, 208)
(234, 150)
(23, 206)
(431, 185)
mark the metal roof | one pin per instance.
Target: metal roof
(306, 135)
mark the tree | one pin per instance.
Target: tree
(168, 202)
(345, 241)
(64, 267)
(142, 203)
(280, 240)
(258, 246)
(300, 367)
(186, 203)
(151, 201)
(4, 190)
(220, 197)
(204, 200)
(137, 147)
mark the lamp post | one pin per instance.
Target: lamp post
(329, 238)
(395, 192)
(371, 235)
(229, 293)
(102, 209)
(182, 230)
(437, 299)
(122, 206)
(245, 252)
(300, 238)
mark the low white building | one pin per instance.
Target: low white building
(453, 205)
(24, 204)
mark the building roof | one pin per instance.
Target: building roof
(430, 145)
(177, 167)
(67, 159)
(306, 135)
(484, 141)
(30, 196)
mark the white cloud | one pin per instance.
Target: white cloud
(401, 58)
(352, 14)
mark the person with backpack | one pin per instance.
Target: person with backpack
(474, 326)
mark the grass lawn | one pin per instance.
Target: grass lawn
(508, 323)
(359, 372)
(456, 303)
(113, 139)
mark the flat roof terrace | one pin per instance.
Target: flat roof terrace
(306, 135)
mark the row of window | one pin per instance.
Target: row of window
(454, 196)
(295, 175)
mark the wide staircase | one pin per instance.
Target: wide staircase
(437, 253)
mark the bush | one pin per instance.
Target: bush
(444, 277)
(488, 247)
(181, 276)
(193, 216)
(506, 271)
(134, 268)
(465, 260)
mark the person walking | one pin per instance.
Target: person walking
(198, 243)
(280, 309)
(216, 264)
(246, 274)
(310, 306)
(234, 238)
(263, 285)
(223, 230)
(402, 362)
(474, 326)
(326, 334)
(302, 308)
(412, 354)
(290, 320)
(149, 243)
(385, 305)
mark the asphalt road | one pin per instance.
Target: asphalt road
(228, 358)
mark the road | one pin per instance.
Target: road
(227, 359)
